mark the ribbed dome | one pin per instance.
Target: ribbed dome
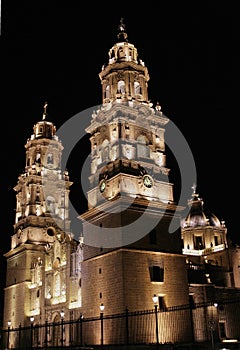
(198, 216)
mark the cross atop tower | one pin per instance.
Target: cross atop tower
(45, 110)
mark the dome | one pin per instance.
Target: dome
(198, 216)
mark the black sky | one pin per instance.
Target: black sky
(54, 50)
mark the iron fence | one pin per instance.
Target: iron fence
(187, 323)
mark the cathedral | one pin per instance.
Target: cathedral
(65, 288)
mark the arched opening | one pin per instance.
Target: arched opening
(121, 87)
(137, 88)
(107, 92)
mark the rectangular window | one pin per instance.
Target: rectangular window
(222, 330)
(156, 273)
(162, 303)
(198, 242)
(217, 240)
(153, 237)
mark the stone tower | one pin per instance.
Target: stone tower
(128, 253)
(42, 270)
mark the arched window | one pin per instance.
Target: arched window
(121, 87)
(137, 88)
(107, 92)
(121, 53)
(38, 158)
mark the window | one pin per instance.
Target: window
(38, 158)
(153, 237)
(107, 92)
(121, 53)
(121, 87)
(137, 88)
(217, 240)
(198, 242)
(222, 330)
(161, 302)
(156, 273)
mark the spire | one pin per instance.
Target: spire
(122, 35)
(44, 111)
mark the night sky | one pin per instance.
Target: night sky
(54, 50)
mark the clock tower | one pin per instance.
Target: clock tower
(129, 254)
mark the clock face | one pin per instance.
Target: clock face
(147, 181)
(102, 185)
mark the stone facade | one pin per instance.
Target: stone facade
(126, 253)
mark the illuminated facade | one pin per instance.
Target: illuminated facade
(114, 262)
(43, 269)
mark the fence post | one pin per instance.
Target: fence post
(46, 334)
(155, 301)
(62, 327)
(101, 319)
(81, 330)
(19, 336)
(192, 322)
(31, 332)
(127, 329)
(8, 333)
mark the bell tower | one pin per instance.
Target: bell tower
(42, 190)
(125, 77)
(130, 200)
(127, 132)
(43, 251)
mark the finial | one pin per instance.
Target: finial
(158, 107)
(195, 195)
(121, 26)
(194, 189)
(45, 110)
(122, 35)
